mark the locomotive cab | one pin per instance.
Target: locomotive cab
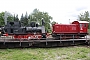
(82, 27)
(12, 27)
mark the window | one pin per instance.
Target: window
(84, 25)
(80, 25)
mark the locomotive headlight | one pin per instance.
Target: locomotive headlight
(0, 32)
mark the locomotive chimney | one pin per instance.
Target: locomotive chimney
(43, 22)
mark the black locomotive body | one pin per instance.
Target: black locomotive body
(19, 31)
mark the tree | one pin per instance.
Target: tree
(24, 19)
(84, 16)
(9, 18)
(16, 18)
(2, 18)
(38, 16)
(53, 22)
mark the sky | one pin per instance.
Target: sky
(62, 11)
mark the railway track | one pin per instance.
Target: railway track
(9, 42)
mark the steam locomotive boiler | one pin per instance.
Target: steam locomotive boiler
(31, 31)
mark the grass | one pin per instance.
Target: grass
(65, 53)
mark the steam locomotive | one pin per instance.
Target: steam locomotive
(31, 31)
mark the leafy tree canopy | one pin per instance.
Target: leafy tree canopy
(84, 16)
(38, 16)
(53, 22)
(9, 18)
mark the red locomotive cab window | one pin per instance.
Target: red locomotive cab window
(84, 25)
(81, 27)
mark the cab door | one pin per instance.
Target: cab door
(83, 28)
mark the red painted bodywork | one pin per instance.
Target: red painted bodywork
(28, 36)
(75, 27)
(65, 28)
(83, 27)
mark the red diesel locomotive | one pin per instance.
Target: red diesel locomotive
(76, 29)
